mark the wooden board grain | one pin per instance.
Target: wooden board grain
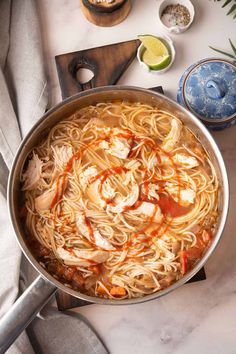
(108, 63)
(106, 16)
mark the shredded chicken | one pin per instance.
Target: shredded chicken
(123, 202)
(184, 197)
(107, 191)
(93, 189)
(163, 246)
(150, 210)
(33, 174)
(86, 175)
(82, 258)
(85, 230)
(61, 155)
(93, 193)
(152, 191)
(173, 137)
(44, 201)
(117, 146)
(132, 165)
(185, 161)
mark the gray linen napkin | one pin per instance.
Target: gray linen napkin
(23, 99)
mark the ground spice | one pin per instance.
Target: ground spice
(175, 15)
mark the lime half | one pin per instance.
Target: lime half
(154, 45)
(155, 62)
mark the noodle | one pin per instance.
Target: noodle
(120, 200)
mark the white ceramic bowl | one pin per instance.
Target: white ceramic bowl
(176, 29)
(168, 42)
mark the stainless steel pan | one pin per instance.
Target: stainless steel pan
(36, 296)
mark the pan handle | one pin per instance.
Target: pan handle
(24, 311)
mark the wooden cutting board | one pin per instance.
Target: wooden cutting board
(107, 63)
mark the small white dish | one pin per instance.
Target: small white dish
(176, 29)
(169, 44)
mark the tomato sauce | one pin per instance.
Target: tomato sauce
(106, 173)
(134, 206)
(103, 177)
(170, 207)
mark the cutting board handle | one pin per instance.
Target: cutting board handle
(107, 63)
(74, 69)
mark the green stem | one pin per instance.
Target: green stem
(220, 51)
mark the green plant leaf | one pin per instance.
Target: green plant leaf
(222, 52)
(231, 9)
(226, 3)
(232, 46)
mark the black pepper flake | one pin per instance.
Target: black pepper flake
(177, 15)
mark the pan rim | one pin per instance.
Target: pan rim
(180, 282)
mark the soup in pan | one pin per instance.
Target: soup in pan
(119, 200)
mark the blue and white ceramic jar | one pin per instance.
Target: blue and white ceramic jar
(208, 89)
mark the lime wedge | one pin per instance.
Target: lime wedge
(155, 62)
(154, 45)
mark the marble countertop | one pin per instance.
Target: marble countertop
(198, 317)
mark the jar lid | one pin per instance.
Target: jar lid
(208, 89)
